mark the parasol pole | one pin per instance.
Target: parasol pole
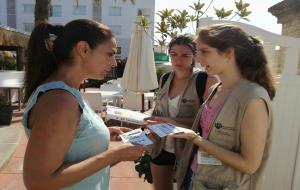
(143, 103)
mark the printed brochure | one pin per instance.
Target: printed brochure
(136, 136)
(165, 129)
(125, 115)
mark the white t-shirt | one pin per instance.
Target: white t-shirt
(173, 110)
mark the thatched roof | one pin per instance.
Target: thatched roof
(285, 8)
(11, 37)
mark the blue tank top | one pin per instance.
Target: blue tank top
(91, 136)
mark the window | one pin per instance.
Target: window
(55, 10)
(28, 27)
(79, 10)
(28, 8)
(117, 29)
(115, 11)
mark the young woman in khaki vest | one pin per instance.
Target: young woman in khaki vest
(230, 139)
(177, 98)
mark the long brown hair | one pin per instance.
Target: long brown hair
(47, 52)
(249, 52)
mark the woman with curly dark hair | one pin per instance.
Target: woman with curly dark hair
(180, 95)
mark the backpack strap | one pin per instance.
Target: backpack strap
(201, 84)
(164, 78)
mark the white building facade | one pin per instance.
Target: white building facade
(119, 15)
(3, 13)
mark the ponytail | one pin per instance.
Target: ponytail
(257, 70)
(41, 61)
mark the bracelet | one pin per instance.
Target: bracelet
(194, 137)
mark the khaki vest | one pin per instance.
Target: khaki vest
(189, 104)
(225, 132)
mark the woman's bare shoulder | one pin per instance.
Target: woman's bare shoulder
(55, 105)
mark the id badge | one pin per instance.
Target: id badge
(206, 159)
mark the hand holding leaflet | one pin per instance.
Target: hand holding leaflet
(165, 129)
(136, 136)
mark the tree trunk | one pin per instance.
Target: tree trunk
(42, 11)
(96, 10)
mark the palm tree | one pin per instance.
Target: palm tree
(172, 22)
(197, 7)
(163, 27)
(41, 11)
(222, 13)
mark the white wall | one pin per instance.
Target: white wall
(3, 13)
(66, 16)
(67, 10)
(127, 19)
(22, 18)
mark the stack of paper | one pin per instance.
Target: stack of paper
(165, 129)
(125, 115)
(136, 136)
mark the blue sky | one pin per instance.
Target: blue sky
(259, 17)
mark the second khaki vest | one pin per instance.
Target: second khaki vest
(225, 132)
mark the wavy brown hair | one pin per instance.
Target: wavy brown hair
(250, 56)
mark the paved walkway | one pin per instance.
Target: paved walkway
(123, 175)
(9, 139)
